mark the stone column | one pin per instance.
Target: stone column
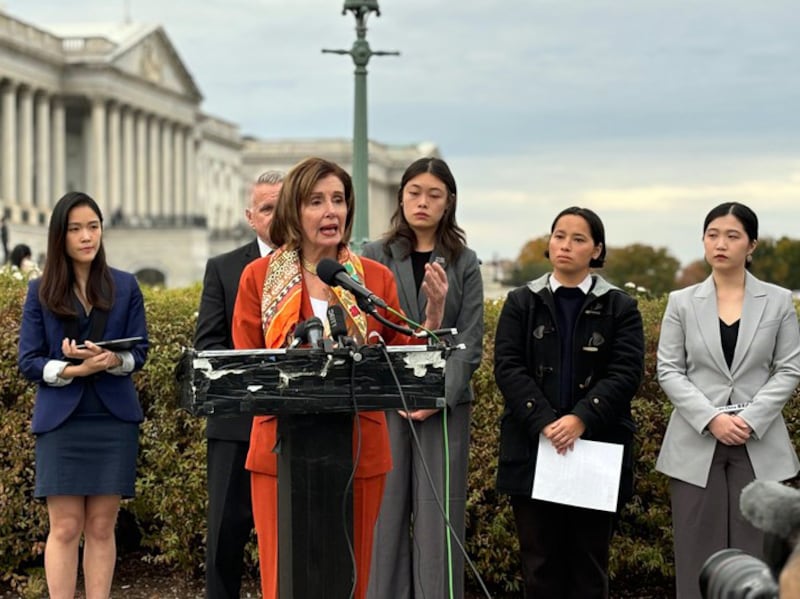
(167, 191)
(9, 141)
(180, 174)
(128, 162)
(59, 153)
(141, 164)
(155, 164)
(43, 147)
(99, 170)
(25, 142)
(114, 199)
(191, 176)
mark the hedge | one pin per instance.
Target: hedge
(165, 523)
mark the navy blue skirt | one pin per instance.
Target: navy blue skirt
(90, 454)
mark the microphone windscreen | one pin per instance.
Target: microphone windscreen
(771, 507)
(327, 269)
(313, 323)
(300, 330)
(314, 331)
(337, 320)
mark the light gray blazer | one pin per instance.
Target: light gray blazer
(463, 309)
(693, 373)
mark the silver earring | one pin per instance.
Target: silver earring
(749, 258)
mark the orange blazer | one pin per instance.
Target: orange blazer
(376, 457)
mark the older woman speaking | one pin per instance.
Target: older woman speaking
(313, 220)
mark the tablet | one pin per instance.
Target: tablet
(116, 344)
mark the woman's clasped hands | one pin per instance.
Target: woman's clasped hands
(94, 358)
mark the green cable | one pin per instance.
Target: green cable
(416, 324)
(447, 501)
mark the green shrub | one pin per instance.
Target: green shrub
(168, 513)
(170, 503)
(23, 521)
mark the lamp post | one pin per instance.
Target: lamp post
(361, 53)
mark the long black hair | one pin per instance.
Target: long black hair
(450, 238)
(58, 276)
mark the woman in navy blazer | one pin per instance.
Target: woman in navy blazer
(728, 359)
(86, 413)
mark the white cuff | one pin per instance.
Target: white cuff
(51, 372)
(127, 364)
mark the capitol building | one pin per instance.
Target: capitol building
(110, 109)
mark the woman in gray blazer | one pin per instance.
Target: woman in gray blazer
(728, 359)
(413, 554)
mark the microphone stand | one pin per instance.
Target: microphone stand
(367, 306)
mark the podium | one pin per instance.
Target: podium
(315, 393)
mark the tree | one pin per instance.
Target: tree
(533, 251)
(531, 263)
(692, 273)
(655, 269)
(778, 262)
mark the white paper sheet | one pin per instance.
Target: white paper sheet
(588, 476)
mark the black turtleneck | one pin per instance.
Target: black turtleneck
(418, 262)
(569, 301)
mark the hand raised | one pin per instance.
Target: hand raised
(434, 285)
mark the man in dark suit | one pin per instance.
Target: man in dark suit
(230, 517)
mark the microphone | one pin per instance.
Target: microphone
(309, 331)
(314, 331)
(771, 507)
(300, 335)
(334, 274)
(338, 321)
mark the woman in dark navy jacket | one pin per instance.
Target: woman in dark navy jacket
(569, 354)
(87, 412)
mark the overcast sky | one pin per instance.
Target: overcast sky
(649, 112)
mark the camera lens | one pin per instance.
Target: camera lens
(732, 574)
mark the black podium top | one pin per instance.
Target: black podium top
(311, 381)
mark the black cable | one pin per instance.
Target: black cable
(392, 325)
(370, 308)
(349, 486)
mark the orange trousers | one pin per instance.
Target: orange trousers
(367, 496)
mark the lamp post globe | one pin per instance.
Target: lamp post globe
(358, 5)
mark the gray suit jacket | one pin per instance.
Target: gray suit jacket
(463, 309)
(693, 373)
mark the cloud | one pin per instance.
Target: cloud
(652, 112)
(774, 195)
(656, 196)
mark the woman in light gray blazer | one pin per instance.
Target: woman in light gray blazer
(413, 555)
(728, 359)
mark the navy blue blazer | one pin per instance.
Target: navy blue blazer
(40, 337)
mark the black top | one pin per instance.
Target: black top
(728, 333)
(568, 306)
(418, 262)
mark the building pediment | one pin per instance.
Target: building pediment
(152, 57)
(136, 49)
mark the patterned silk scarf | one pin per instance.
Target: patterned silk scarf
(282, 297)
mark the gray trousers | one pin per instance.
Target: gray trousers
(707, 520)
(409, 556)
